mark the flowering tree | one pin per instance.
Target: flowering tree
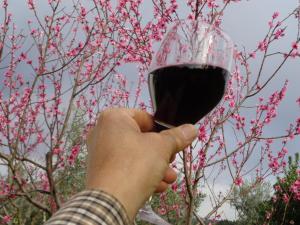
(284, 206)
(64, 68)
(257, 206)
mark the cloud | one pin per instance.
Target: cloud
(225, 211)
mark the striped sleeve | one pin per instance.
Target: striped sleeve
(91, 207)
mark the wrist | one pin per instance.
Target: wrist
(125, 191)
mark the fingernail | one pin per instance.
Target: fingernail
(189, 132)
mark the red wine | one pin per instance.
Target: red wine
(186, 93)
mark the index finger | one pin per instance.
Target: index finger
(143, 119)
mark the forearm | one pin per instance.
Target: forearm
(91, 207)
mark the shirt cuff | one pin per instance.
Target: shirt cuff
(91, 207)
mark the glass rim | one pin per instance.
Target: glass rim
(205, 23)
(152, 68)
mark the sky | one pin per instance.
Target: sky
(246, 23)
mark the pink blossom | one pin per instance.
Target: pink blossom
(279, 33)
(202, 134)
(74, 153)
(295, 45)
(162, 211)
(57, 151)
(283, 152)
(211, 4)
(5, 4)
(268, 215)
(252, 55)
(262, 46)
(6, 219)
(83, 12)
(237, 55)
(174, 186)
(191, 16)
(282, 180)
(295, 189)
(30, 4)
(44, 182)
(231, 104)
(285, 198)
(274, 165)
(271, 25)
(238, 181)
(275, 15)
(202, 158)
(298, 101)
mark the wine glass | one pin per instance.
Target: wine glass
(188, 75)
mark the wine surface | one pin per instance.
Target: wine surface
(186, 93)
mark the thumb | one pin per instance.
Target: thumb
(179, 137)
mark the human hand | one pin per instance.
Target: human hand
(129, 161)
